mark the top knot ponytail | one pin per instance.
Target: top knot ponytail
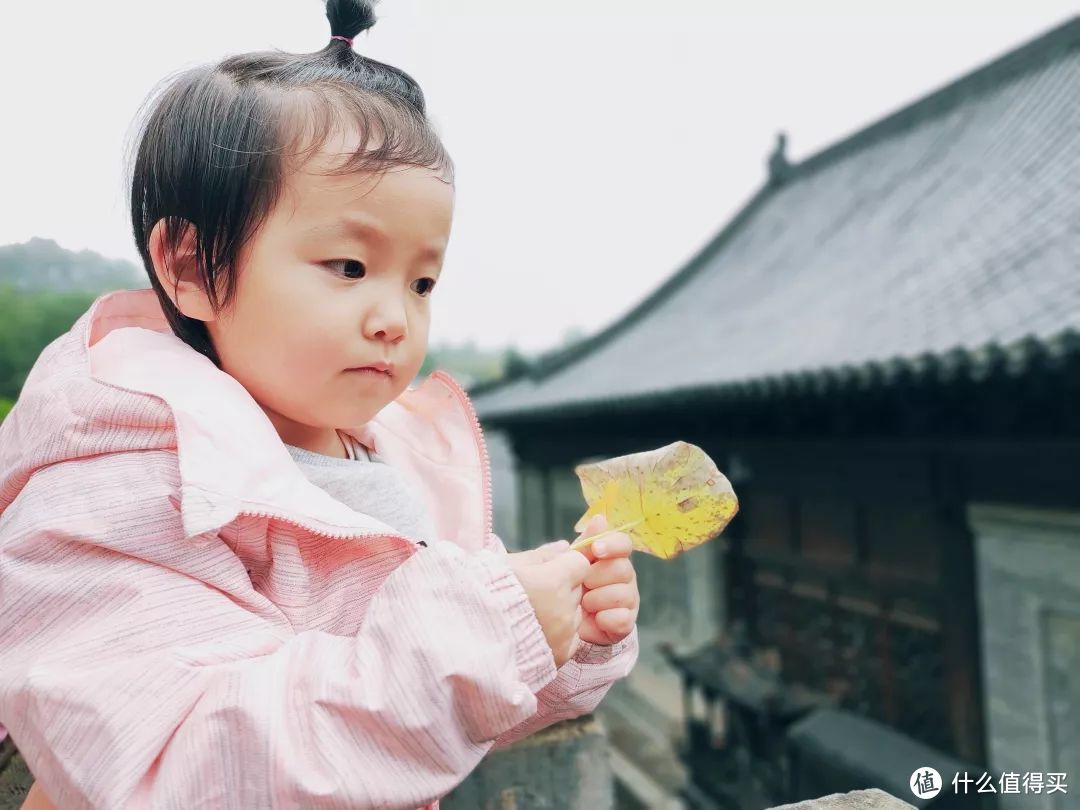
(349, 18)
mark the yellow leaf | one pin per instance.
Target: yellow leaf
(668, 500)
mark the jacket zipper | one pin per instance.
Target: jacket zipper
(342, 535)
(481, 445)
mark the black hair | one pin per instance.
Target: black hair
(216, 142)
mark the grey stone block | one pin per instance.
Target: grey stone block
(872, 799)
(15, 778)
(1030, 617)
(565, 767)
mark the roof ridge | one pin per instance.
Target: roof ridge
(1038, 51)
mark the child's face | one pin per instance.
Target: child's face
(338, 277)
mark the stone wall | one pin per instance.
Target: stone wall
(1029, 592)
(15, 778)
(564, 767)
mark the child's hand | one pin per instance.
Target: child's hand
(611, 599)
(552, 576)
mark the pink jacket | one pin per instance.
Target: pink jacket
(187, 622)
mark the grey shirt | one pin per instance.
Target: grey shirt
(369, 485)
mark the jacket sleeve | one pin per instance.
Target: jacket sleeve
(581, 682)
(128, 684)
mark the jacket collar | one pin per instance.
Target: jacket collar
(233, 462)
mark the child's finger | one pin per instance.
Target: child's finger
(536, 556)
(616, 544)
(622, 595)
(596, 524)
(548, 551)
(589, 632)
(617, 621)
(609, 572)
(570, 566)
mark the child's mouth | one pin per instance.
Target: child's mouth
(375, 372)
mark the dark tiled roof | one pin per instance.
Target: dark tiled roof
(945, 237)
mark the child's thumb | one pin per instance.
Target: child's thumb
(596, 524)
(549, 551)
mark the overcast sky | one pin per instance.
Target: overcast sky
(599, 143)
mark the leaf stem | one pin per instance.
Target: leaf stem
(584, 542)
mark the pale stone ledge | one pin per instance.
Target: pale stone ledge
(872, 799)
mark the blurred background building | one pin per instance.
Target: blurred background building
(882, 352)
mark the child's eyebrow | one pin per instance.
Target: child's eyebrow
(370, 232)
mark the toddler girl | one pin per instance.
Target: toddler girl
(243, 564)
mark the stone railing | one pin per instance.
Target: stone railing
(564, 766)
(567, 766)
(856, 800)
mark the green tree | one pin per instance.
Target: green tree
(515, 364)
(29, 321)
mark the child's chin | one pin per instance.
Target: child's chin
(358, 413)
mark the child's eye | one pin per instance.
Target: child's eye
(348, 268)
(426, 289)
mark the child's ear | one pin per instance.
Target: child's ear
(177, 271)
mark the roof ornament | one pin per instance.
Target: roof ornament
(779, 165)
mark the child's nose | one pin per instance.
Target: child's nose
(386, 320)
